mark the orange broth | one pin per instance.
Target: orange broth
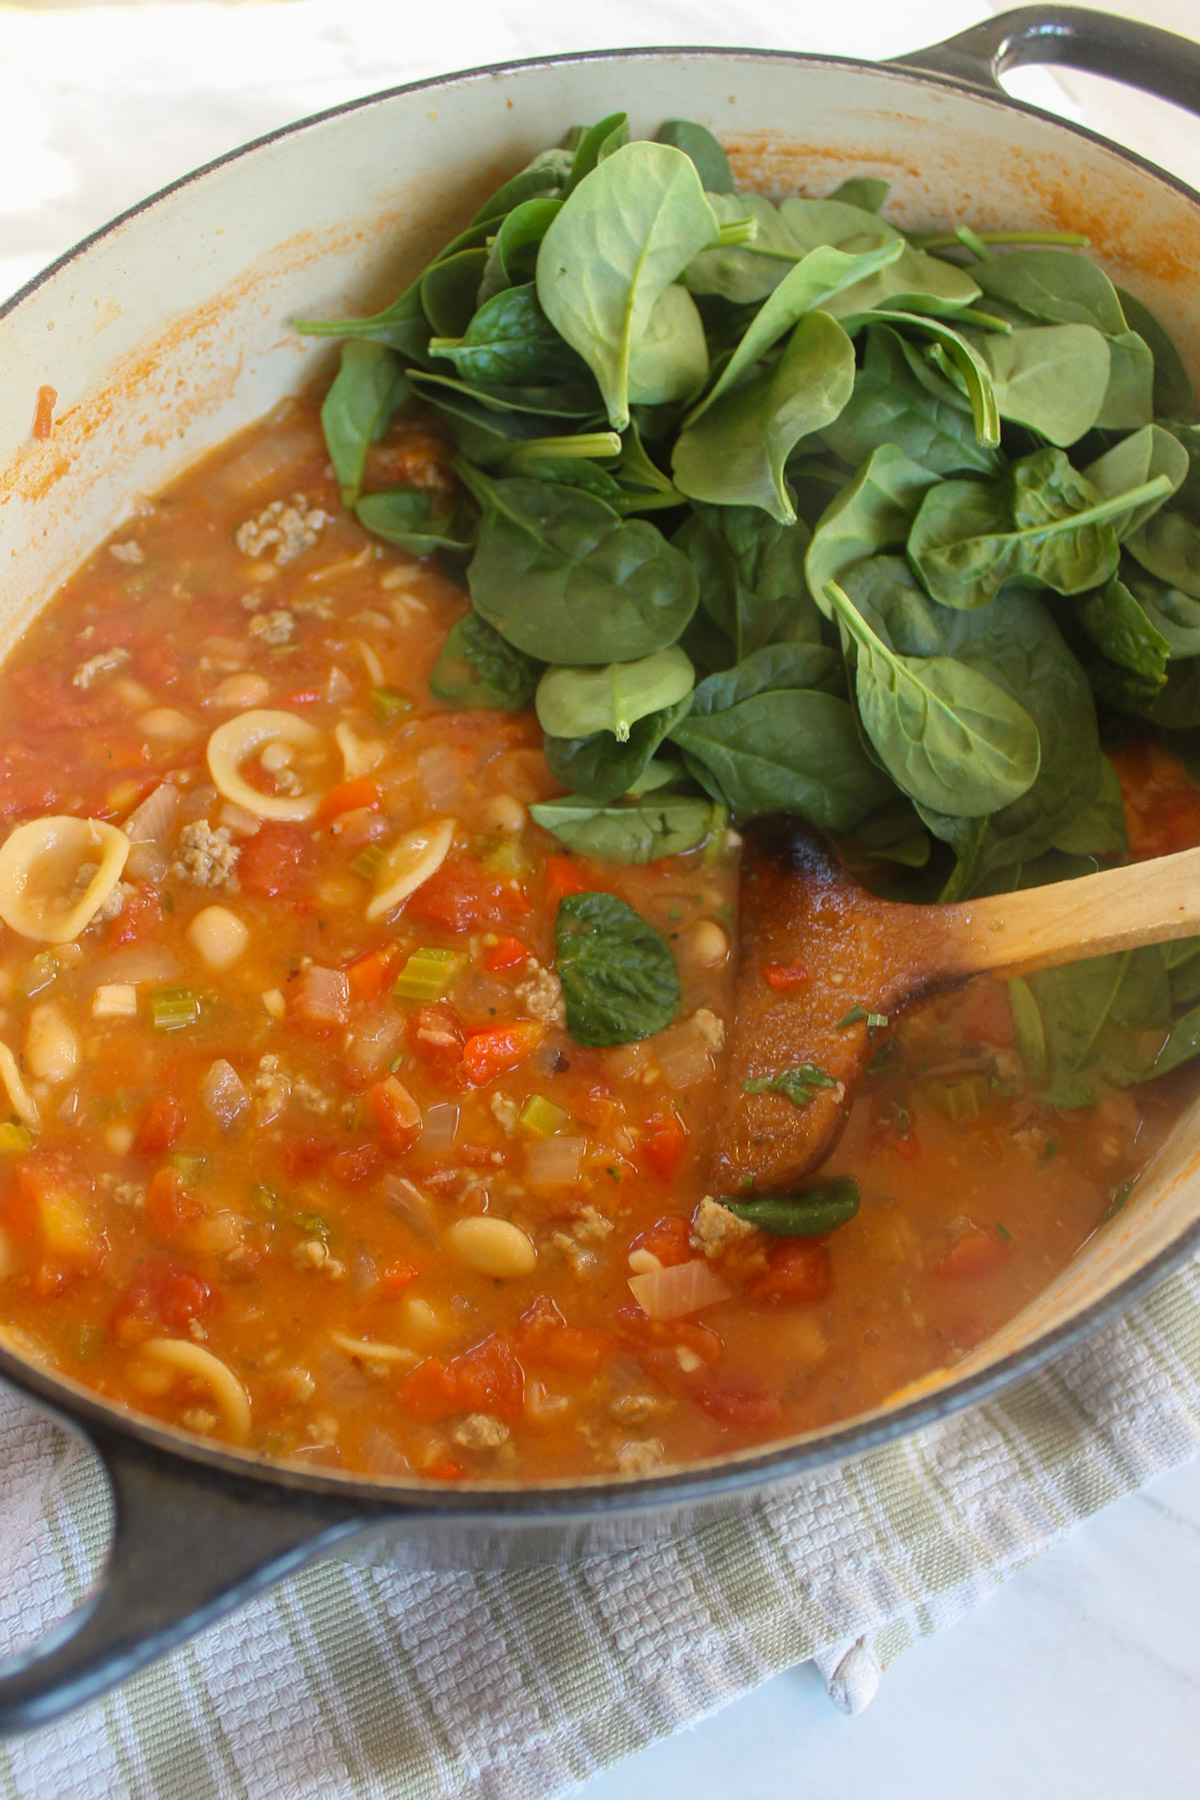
(237, 1208)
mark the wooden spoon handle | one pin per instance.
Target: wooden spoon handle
(1016, 933)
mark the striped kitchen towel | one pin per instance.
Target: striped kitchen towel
(350, 1680)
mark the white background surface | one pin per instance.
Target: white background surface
(1082, 1680)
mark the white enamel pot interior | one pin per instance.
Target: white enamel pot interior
(171, 329)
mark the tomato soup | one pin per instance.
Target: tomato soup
(298, 1153)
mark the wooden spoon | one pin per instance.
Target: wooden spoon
(801, 911)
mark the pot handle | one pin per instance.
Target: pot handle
(189, 1545)
(1141, 56)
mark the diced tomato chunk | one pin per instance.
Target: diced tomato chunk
(277, 863)
(663, 1146)
(800, 1272)
(370, 973)
(544, 1337)
(162, 1122)
(396, 1114)
(161, 1298)
(668, 1239)
(349, 796)
(750, 1409)
(509, 953)
(139, 919)
(973, 1254)
(437, 1037)
(785, 977)
(169, 1207)
(486, 1378)
(490, 1052)
(565, 876)
(318, 999)
(447, 1471)
(462, 895)
(396, 1276)
(357, 1164)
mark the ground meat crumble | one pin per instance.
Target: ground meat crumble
(206, 856)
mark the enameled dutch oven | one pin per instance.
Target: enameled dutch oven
(169, 330)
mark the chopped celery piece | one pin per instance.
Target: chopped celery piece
(190, 1169)
(962, 1098)
(428, 974)
(171, 1009)
(266, 1198)
(389, 704)
(314, 1224)
(367, 861)
(14, 1137)
(508, 858)
(542, 1117)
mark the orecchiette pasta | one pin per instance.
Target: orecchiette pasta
(198, 1364)
(411, 860)
(56, 873)
(283, 742)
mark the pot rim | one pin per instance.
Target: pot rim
(83, 1412)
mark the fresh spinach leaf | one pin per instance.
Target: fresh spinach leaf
(1141, 457)
(1173, 396)
(623, 236)
(1052, 378)
(402, 326)
(696, 141)
(900, 399)
(1119, 627)
(512, 253)
(865, 191)
(1101, 1020)
(510, 342)
(545, 175)
(366, 391)
(406, 517)
(600, 768)
(1182, 1045)
(565, 579)
(1060, 286)
(736, 453)
(618, 976)
(961, 361)
(1129, 397)
(449, 289)
(593, 145)
(799, 1084)
(810, 1213)
(780, 749)
(640, 830)
(873, 512)
(947, 734)
(1017, 645)
(669, 362)
(1044, 526)
(1169, 546)
(477, 667)
(809, 286)
(750, 570)
(575, 702)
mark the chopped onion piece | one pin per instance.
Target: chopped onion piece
(684, 1055)
(443, 776)
(674, 1292)
(132, 967)
(154, 820)
(407, 1201)
(320, 997)
(224, 1093)
(554, 1161)
(441, 1125)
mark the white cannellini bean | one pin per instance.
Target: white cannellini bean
(493, 1247)
(219, 936)
(706, 945)
(504, 812)
(242, 690)
(166, 723)
(51, 1047)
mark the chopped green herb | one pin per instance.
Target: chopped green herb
(798, 1084)
(876, 1021)
(884, 1059)
(962, 1098)
(167, 900)
(313, 1224)
(1120, 1196)
(1050, 1148)
(395, 1062)
(854, 1017)
(613, 1173)
(1004, 1232)
(816, 1209)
